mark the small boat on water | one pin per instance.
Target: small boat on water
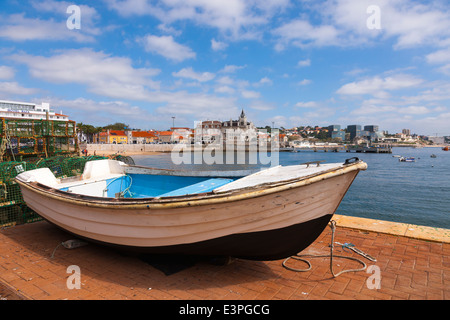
(270, 214)
(433, 156)
(445, 148)
(407, 159)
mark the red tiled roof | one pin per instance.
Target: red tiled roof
(117, 132)
(143, 134)
(165, 133)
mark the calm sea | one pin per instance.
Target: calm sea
(409, 192)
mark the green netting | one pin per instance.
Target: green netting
(21, 139)
(13, 209)
(125, 159)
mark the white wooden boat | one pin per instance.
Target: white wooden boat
(267, 215)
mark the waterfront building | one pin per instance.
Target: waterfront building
(371, 128)
(239, 130)
(335, 132)
(141, 137)
(334, 128)
(214, 131)
(181, 134)
(165, 136)
(113, 136)
(29, 111)
(354, 130)
(338, 135)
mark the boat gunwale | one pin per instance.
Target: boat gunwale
(199, 199)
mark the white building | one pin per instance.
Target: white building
(29, 111)
(239, 130)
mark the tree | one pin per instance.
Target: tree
(88, 130)
(116, 126)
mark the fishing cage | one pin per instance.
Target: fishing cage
(21, 139)
(13, 210)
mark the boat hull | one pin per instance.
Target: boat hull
(262, 224)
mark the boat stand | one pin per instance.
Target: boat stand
(332, 225)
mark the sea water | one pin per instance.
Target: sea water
(409, 192)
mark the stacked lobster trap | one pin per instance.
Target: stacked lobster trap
(13, 209)
(32, 144)
(21, 139)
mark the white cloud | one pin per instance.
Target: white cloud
(231, 68)
(225, 81)
(13, 88)
(168, 48)
(263, 81)
(309, 104)
(343, 23)
(198, 106)
(417, 110)
(116, 78)
(304, 63)
(304, 82)
(189, 73)
(248, 94)
(224, 89)
(378, 86)
(103, 74)
(19, 28)
(168, 29)
(438, 57)
(89, 15)
(301, 33)
(103, 112)
(6, 73)
(233, 18)
(218, 45)
(262, 106)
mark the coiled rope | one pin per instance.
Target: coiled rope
(331, 255)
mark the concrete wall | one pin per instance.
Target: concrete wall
(129, 148)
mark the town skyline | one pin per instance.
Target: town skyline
(149, 63)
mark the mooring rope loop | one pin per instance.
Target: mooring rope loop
(331, 256)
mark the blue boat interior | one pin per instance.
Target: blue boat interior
(143, 186)
(147, 186)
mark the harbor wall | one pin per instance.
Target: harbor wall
(124, 148)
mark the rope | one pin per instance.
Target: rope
(331, 255)
(122, 193)
(8, 141)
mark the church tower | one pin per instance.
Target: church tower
(242, 119)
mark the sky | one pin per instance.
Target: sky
(152, 64)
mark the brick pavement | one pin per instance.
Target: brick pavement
(409, 269)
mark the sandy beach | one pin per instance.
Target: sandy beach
(107, 153)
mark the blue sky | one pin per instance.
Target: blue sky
(142, 62)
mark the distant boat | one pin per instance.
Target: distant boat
(286, 149)
(396, 156)
(445, 148)
(268, 215)
(433, 156)
(406, 159)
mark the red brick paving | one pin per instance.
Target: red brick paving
(410, 269)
